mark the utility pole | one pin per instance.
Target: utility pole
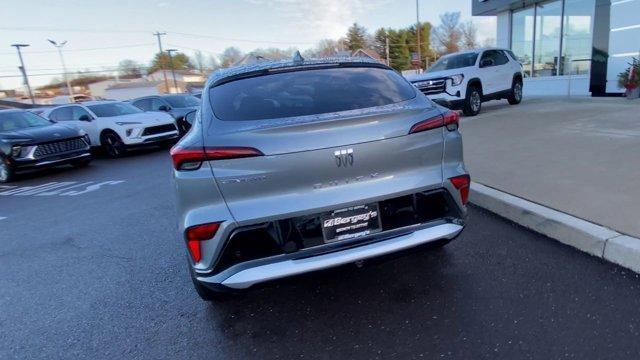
(418, 31)
(386, 49)
(173, 73)
(24, 71)
(64, 67)
(164, 73)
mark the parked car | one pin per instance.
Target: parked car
(177, 105)
(29, 142)
(116, 126)
(465, 80)
(304, 165)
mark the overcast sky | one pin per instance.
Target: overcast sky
(101, 33)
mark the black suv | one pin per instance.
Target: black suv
(29, 142)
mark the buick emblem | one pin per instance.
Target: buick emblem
(344, 157)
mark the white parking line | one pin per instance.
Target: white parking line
(64, 188)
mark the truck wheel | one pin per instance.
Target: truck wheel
(6, 172)
(515, 97)
(473, 101)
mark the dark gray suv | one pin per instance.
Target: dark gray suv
(177, 105)
(301, 165)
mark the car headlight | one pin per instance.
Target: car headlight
(129, 132)
(87, 139)
(16, 150)
(456, 79)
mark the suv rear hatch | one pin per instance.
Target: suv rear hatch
(328, 138)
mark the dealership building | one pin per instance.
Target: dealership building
(573, 47)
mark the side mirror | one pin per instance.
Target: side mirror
(486, 63)
(85, 117)
(164, 108)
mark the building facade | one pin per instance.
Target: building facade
(575, 47)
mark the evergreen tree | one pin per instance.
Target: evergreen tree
(356, 37)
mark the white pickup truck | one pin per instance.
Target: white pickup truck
(464, 80)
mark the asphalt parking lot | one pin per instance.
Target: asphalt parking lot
(91, 267)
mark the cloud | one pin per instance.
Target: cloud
(325, 18)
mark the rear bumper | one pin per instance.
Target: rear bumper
(245, 275)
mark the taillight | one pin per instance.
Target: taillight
(191, 158)
(462, 183)
(449, 119)
(197, 234)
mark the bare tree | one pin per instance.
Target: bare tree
(199, 61)
(469, 35)
(230, 56)
(447, 35)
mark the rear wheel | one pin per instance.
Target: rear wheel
(473, 101)
(112, 144)
(515, 97)
(6, 172)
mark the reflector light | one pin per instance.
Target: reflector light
(462, 183)
(197, 234)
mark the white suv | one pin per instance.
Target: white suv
(464, 80)
(115, 125)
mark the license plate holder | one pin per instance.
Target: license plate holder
(350, 223)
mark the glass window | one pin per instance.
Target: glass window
(577, 37)
(308, 92)
(501, 58)
(182, 101)
(522, 37)
(78, 112)
(114, 109)
(15, 120)
(62, 114)
(143, 104)
(156, 103)
(547, 38)
(454, 62)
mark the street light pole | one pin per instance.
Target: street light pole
(173, 73)
(24, 71)
(418, 30)
(158, 34)
(64, 67)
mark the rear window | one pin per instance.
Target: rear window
(308, 92)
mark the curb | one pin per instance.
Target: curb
(583, 235)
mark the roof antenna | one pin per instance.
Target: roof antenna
(297, 58)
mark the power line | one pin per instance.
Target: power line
(85, 49)
(243, 40)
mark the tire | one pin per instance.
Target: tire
(112, 144)
(473, 101)
(207, 293)
(6, 172)
(515, 97)
(81, 163)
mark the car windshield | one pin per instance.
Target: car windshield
(21, 120)
(454, 62)
(308, 92)
(182, 101)
(114, 109)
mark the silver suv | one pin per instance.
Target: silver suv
(301, 165)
